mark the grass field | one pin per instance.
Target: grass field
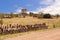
(28, 21)
(31, 20)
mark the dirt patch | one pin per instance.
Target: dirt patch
(40, 35)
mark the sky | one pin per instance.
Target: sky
(45, 6)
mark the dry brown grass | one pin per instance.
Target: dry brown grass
(29, 20)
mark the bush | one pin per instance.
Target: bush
(47, 16)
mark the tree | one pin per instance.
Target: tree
(11, 14)
(40, 15)
(47, 16)
(35, 15)
(31, 14)
(57, 15)
(16, 15)
(24, 14)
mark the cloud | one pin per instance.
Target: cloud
(52, 9)
(46, 2)
(18, 10)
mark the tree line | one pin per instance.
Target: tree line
(38, 15)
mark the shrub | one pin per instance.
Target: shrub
(47, 16)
